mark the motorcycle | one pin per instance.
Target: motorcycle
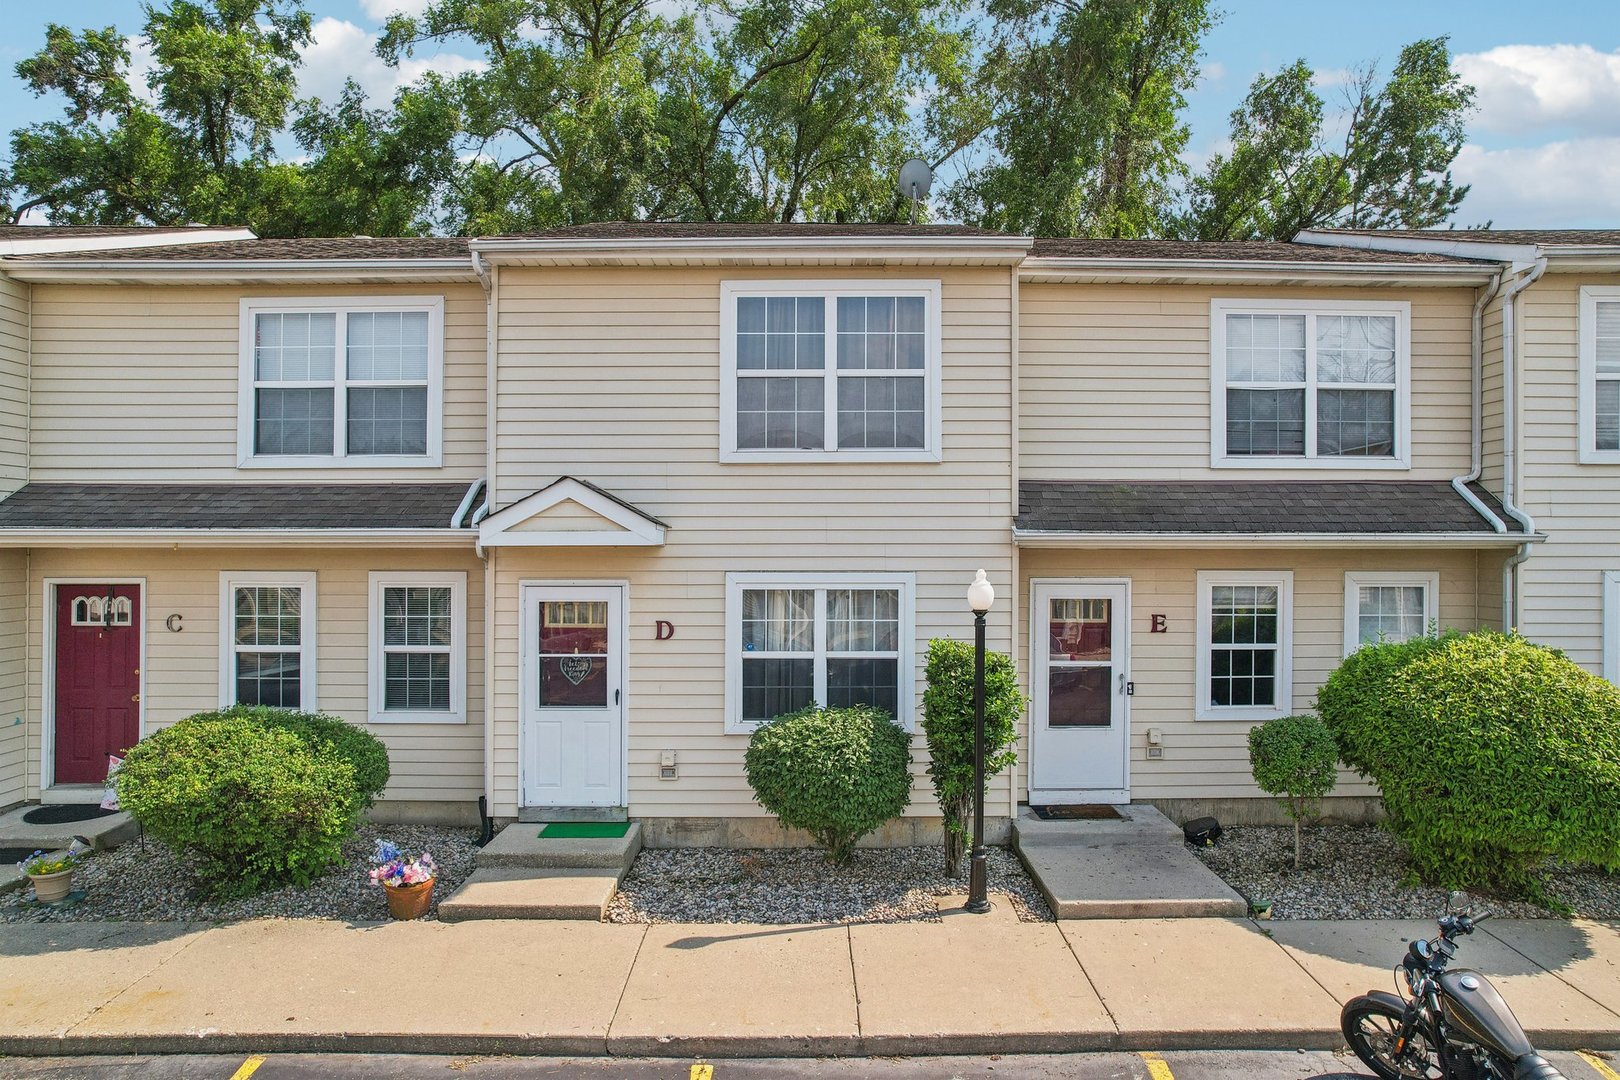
(1452, 1024)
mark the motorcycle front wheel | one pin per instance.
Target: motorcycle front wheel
(1373, 1027)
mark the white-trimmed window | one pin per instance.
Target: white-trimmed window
(1600, 374)
(1297, 383)
(1611, 625)
(267, 639)
(418, 635)
(849, 369)
(1382, 607)
(353, 381)
(1245, 644)
(829, 639)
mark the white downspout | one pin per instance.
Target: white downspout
(1510, 456)
(485, 279)
(1477, 429)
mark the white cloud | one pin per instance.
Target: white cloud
(141, 65)
(1570, 184)
(1212, 72)
(381, 9)
(1527, 88)
(1333, 77)
(341, 50)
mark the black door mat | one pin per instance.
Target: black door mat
(1088, 812)
(63, 815)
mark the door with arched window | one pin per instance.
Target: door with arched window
(97, 703)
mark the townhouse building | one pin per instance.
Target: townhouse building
(562, 517)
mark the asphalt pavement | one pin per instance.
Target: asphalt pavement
(1170, 1065)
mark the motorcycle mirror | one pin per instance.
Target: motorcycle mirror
(1457, 902)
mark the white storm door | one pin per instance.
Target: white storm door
(573, 699)
(1079, 726)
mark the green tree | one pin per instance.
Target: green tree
(1086, 130)
(1295, 759)
(223, 86)
(948, 723)
(1391, 170)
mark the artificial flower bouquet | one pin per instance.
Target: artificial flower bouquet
(394, 869)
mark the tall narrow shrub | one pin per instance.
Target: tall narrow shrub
(948, 724)
(1295, 759)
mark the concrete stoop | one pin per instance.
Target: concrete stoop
(103, 833)
(1137, 867)
(522, 875)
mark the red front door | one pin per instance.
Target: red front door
(98, 678)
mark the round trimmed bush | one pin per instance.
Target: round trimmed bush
(836, 773)
(1295, 759)
(253, 804)
(359, 747)
(1355, 701)
(1494, 754)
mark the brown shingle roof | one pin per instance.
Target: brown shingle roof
(232, 506)
(314, 248)
(1404, 507)
(1549, 237)
(720, 230)
(1226, 250)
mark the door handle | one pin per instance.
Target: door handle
(135, 697)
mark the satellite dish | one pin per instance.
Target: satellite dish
(916, 179)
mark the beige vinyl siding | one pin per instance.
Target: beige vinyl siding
(1577, 505)
(1209, 758)
(15, 764)
(1491, 396)
(1114, 381)
(432, 762)
(14, 362)
(140, 383)
(613, 376)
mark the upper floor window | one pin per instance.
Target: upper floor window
(1600, 374)
(815, 368)
(354, 381)
(1302, 383)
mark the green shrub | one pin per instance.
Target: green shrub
(359, 747)
(1294, 758)
(1355, 701)
(948, 724)
(836, 773)
(1498, 754)
(254, 804)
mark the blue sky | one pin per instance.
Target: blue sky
(1543, 148)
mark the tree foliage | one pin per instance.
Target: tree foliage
(1392, 168)
(1055, 117)
(1295, 759)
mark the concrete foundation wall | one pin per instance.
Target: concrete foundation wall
(765, 832)
(1336, 810)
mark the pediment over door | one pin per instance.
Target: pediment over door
(571, 513)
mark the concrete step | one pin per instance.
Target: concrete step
(522, 845)
(102, 832)
(518, 892)
(1135, 869)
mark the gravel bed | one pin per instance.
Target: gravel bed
(798, 885)
(1362, 872)
(129, 883)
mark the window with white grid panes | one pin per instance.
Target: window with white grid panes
(342, 382)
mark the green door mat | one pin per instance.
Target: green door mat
(578, 830)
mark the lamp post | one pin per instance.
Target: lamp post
(980, 596)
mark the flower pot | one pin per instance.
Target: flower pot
(409, 901)
(50, 888)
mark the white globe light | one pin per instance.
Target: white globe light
(981, 594)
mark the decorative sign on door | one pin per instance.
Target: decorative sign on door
(575, 668)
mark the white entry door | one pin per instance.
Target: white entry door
(1079, 722)
(573, 696)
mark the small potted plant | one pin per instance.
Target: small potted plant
(51, 873)
(408, 883)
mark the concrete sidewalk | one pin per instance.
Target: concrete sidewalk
(969, 984)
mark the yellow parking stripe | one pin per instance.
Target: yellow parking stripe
(1158, 1068)
(247, 1068)
(702, 1072)
(1603, 1068)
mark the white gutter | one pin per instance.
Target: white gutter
(978, 251)
(1510, 435)
(1520, 255)
(234, 537)
(1046, 538)
(46, 245)
(458, 519)
(1476, 449)
(1248, 271)
(56, 270)
(487, 280)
